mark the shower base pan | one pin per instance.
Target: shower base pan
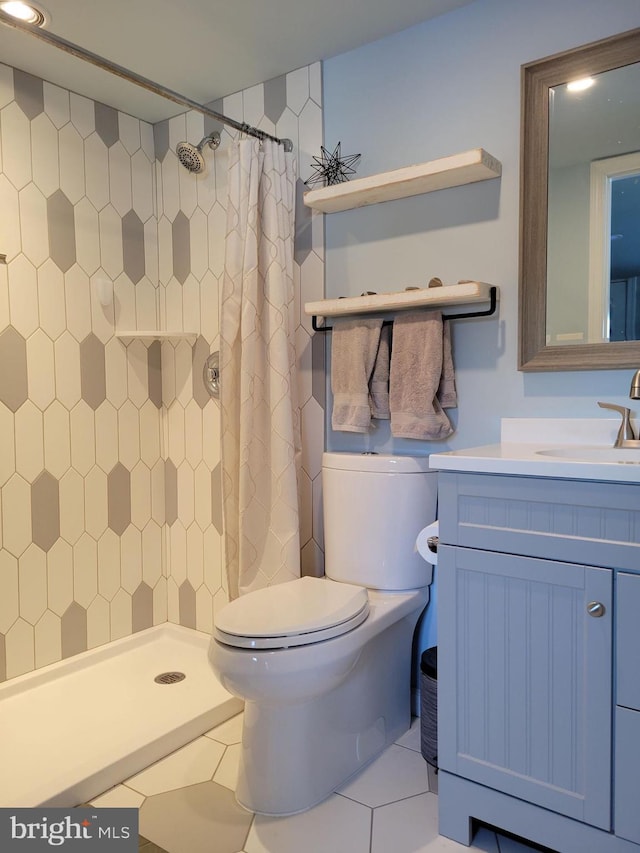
(71, 730)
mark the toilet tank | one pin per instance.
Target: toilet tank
(374, 507)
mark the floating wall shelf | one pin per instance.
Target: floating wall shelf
(465, 293)
(154, 335)
(453, 171)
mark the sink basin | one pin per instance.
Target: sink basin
(620, 455)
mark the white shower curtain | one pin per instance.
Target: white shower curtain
(259, 411)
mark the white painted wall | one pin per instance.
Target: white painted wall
(442, 87)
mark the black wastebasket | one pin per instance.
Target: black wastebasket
(429, 706)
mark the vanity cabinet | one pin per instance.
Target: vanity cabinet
(538, 674)
(531, 696)
(627, 719)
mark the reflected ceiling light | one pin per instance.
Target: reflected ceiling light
(580, 85)
(27, 12)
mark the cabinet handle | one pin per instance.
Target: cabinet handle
(595, 608)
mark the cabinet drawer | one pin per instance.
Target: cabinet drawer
(628, 641)
(627, 775)
(595, 524)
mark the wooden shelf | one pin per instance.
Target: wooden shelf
(148, 336)
(453, 171)
(465, 293)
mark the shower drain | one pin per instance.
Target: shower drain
(170, 677)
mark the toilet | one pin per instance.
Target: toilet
(324, 664)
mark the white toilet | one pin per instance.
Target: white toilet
(324, 664)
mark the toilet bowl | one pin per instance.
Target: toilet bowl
(323, 664)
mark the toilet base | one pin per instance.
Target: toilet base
(294, 756)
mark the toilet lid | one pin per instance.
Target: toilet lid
(294, 613)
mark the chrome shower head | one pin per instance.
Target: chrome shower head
(191, 155)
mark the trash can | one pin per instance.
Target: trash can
(429, 706)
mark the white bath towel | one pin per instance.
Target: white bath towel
(416, 374)
(354, 348)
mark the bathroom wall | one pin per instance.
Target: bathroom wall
(109, 459)
(439, 88)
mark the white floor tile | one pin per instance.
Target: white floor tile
(337, 825)
(228, 732)
(396, 774)
(119, 797)
(227, 772)
(411, 826)
(386, 808)
(411, 739)
(195, 762)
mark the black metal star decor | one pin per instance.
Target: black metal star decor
(332, 168)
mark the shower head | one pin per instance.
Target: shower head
(191, 155)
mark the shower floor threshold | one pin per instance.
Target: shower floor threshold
(71, 730)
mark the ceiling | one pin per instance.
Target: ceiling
(202, 49)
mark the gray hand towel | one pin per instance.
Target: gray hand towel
(354, 347)
(447, 395)
(416, 371)
(379, 385)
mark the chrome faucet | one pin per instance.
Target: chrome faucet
(625, 433)
(626, 436)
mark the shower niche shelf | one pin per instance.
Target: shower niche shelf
(455, 170)
(151, 335)
(463, 293)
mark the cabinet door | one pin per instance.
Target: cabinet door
(627, 752)
(524, 679)
(628, 641)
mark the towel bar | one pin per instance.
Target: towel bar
(486, 313)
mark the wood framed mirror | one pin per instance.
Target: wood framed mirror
(565, 321)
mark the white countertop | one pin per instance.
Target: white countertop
(526, 457)
(523, 459)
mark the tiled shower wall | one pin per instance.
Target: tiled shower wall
(109, 451)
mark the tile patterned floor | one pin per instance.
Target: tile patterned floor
(187, 805)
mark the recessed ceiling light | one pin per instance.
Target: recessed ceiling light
(27, 12)
(581, 84)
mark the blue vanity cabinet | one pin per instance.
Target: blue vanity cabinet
(526, 675)
(538, 688)
(627, 720)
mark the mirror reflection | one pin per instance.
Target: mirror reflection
(593, 228)
(579, 293)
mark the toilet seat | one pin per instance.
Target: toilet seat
(295, 613)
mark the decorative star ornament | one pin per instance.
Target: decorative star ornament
(332, 168)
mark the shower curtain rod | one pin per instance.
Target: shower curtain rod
(137, 79)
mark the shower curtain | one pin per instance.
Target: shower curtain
(259, 411)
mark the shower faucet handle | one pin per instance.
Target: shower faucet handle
(625, 433)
